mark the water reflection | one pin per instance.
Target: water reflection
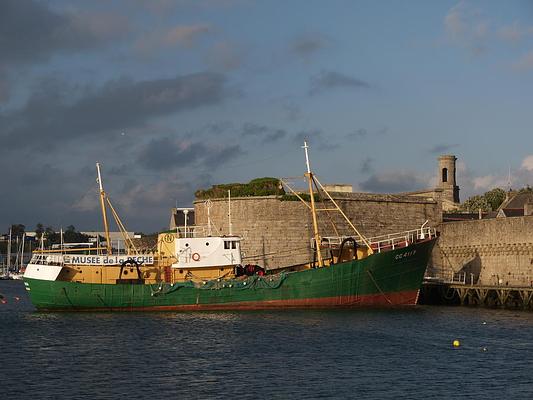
(368, 353)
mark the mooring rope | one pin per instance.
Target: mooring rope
(377, 286)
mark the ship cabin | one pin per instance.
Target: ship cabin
(194, 254)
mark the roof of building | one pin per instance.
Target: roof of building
(511, 212)
(517, 200)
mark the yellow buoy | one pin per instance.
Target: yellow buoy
(456, 343)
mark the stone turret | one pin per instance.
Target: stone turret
(447, 182)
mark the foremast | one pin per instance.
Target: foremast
(310, 180)
(104, 210)
(313, 180)
(104, 199)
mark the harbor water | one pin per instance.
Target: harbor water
(296, 354)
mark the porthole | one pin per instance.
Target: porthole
(186, 244)
(207, 243)
(126, 272)
(181, 271)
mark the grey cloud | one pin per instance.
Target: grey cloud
(166, 153)
(250, 129)
(181, 35)
(293, 111)
(50, 115)
(328, 80)
(442, 148)
(357, 134)
(217, 128)
(4, 88)
(315, 138)
(275, 136)
(219, 156)
(30, 31)
(266, 133)
(363, 132)
(226, 56)
(367, 165)
(392, 182)
(307, 45)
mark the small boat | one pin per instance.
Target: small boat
(192, 270)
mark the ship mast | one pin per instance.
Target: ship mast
(104, 213)
(310, 179)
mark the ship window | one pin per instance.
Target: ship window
(233, 245)
(207, 243)
(226, 244)
(186, 244)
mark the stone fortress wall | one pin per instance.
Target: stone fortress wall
(490, 252)
(277, 233)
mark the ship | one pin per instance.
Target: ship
(191, 269)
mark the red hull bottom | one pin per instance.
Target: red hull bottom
(375, 300)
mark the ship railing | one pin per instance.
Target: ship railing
(195, 231)
(384, 242)
(459, 277)
(46, 259)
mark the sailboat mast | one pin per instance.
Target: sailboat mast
(309, 175)
(21, 266)
(104, 212)
(9, 252)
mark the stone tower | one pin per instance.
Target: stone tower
(447, 182)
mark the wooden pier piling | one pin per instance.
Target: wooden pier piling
(477, 295)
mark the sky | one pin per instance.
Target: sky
(175, 96)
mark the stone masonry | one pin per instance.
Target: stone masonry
(277, 233)
(493, 252)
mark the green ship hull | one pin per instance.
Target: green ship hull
(388, 278)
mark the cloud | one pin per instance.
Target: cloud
(394, 182)
(367, 165)
(51, 115)
(307, 45)
(292, 111)
(363, 133)
(442, 148)
(180, 35)
(31, 32)
(467, 28)
(329, 80)
(524, 63)
(5, 88)
(315, 138)
(266, 133)
(226, 56)
(167, 153)
(527, 163)
(165, 7)
(488, 182)
(515, 32)
(357, 134)
(141, 205)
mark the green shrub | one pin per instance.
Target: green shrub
(256, 187)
